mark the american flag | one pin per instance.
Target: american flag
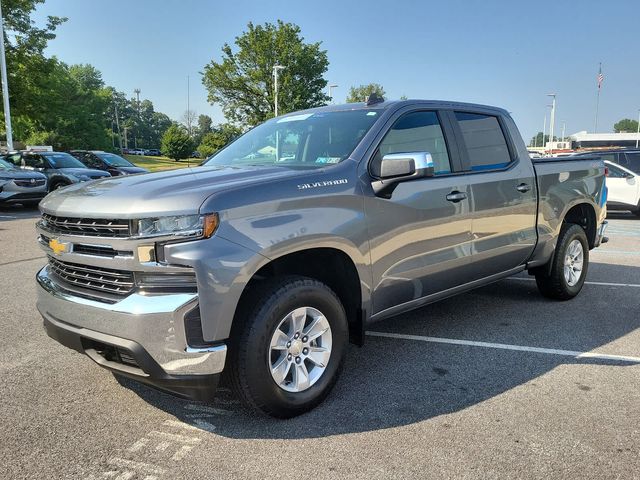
(600, 77)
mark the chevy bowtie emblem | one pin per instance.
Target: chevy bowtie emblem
(33, 180)
(58, 247)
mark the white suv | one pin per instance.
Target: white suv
(624, 188)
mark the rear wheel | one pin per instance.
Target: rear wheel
(287, 351)
(568, 266)
(57, 186)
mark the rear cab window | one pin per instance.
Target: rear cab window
(484, 140)
(632, 161)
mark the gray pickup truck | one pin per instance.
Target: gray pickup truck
(268, 259)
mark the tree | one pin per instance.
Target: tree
(242, 82)
(626, 125)
(218, 138)
(188, 120)
(176, 143)
(537, 140)
(360, 93)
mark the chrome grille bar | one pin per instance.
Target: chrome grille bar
(93, 278)
(88, 226)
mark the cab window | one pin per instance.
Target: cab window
(484, 140)
(34, 161)
(415, 132)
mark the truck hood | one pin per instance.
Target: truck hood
(174, 192)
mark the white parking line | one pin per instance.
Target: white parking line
(504, 346)
(606, 284)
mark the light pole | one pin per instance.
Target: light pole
(544, 132)
(276, 68)
(135, 134)
(331, 87)
(564, 128)
(552, 119)
(638, 131)
(5, 85)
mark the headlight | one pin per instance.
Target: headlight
(199, 226)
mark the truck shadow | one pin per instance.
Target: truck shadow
(393, 382)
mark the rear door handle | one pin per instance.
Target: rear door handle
(523, 187)
(456, 196)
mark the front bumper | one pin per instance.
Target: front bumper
(141, 337)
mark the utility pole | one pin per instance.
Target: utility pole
(188, 107)
(115, 104)
(276, 68)
(600, 79)
(135, 134)
(552, 119)
(331, 87)
(638, 131)
(564, 126)
(544, 131)
(5, 85)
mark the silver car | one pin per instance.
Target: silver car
(18, 186)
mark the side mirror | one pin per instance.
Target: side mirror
(402, 167)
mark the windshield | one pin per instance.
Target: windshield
(310, 140)
(64, 160)
(4, 165)
(114, 160)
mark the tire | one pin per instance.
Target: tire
(269, 310)
(57, 186)
(554, 283)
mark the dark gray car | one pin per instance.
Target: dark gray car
(266, 261)
(60, 168)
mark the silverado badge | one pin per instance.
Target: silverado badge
(58, 247)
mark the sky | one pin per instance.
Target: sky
(504, 53)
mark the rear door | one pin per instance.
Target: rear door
(419, 239)
(503, 192)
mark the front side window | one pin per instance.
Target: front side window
(112, 160)
(307, 140)
(415, 132)
(34, 161)
(64, 160)
(632, 161)
(485, 142)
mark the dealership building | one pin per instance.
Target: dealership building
(603, 140)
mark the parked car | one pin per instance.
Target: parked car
(624, 188)
(60, 168)
(109, 162)
(266, 266)
(153, 152)
(629, 158)
(18, 186)
(137, 151)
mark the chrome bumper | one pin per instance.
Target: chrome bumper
(153, 322)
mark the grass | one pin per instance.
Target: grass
(157, 164)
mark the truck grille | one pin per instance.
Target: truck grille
(29, 183)
(93, 227)
(93, 278)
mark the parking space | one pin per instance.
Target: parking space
(489, 384)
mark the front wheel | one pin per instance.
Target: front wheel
(568, 266)
(287, 351)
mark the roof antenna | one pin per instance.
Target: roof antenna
(374, 98)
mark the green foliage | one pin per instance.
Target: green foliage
(242, 82)
(216, 139)
(536, 140)
(626, 125)
(176, 143)
(361, 92)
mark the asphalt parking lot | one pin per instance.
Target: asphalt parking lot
(496, 383)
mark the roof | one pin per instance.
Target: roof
(387, 104)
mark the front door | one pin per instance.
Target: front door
(419, 239)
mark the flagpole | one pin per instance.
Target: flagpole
(595, 126)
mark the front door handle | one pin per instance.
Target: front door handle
(523, 188)
(456, 196)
